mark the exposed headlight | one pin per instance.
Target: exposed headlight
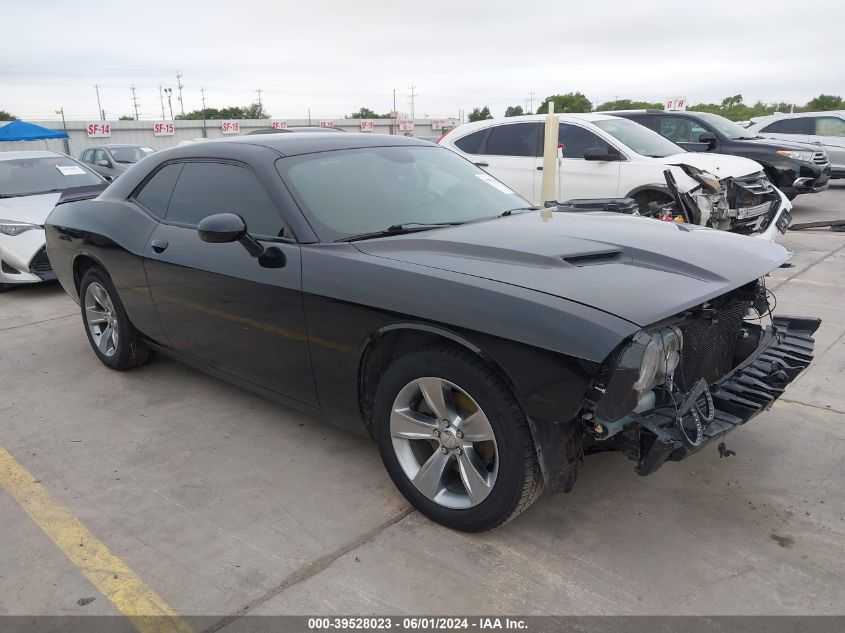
(661, 357)
(9, 227)
(805, 156)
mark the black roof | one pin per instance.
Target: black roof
(310, 142)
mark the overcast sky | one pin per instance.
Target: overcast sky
(334, 57)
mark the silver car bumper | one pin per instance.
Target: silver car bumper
(780, 221)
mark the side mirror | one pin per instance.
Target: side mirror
(596, 153)
(708, 138)
(103, 163)
(108, 178)
(222, 228)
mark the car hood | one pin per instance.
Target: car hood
(720, 165)
(32, 209)
(639, 269)
(767, 143)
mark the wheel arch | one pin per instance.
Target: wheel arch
(394, 340)
(649, 189)
(82, 262)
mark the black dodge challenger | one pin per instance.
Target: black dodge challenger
(388, 285)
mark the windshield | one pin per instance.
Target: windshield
(357, 191)
(639, 138)
(726, 127)
(129, 154)
(29, 176)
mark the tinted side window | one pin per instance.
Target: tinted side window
(651, 122)
(576, 140)
(514, 139)
(829, 126)
(87, 156)
(680, 129)
(789, 126)
(100, 155)
(471, 143)
(155, 195)
(207, 188)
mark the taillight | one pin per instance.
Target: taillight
(443, 135)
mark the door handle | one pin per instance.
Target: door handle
(540, 168)
(159, 245)
(482, 164)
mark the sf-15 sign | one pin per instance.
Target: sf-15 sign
(164, 128)
(99, 130)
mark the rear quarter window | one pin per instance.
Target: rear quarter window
(155, 194)
(471, 143)
(789, 126)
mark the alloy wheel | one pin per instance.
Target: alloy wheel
(444, 442)
(101, 319)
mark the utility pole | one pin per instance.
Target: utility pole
(99, 107)
(413, 94)
(309, 117)
(531, 101)
(204, 130)
(161, 99)
(259, 91)
(169, 93)
(134, 102)
(392, 112)
(180, 85)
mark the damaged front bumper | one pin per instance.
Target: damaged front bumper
(784, 351)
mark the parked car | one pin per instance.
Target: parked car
(792, 167)
(111, 161)
(610, 157)
(824, 128)
(389, 286)
(30, 185)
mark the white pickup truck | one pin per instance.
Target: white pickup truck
(602, 156)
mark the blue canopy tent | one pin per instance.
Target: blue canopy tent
(23, 131)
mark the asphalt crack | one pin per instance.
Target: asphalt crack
(15, 327)
(309, 570)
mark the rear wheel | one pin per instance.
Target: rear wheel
(113, 338)
(454, 440)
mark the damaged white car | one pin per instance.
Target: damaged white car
(603, 159)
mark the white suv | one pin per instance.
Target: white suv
(609, 157)
(825, 128)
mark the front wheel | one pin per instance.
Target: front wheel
(454, 440)
(113, 338)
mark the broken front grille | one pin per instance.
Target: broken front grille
(820, 158)
(710, 344)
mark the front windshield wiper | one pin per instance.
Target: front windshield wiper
(504, 214)
(400, 229)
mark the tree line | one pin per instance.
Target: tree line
(732, 108)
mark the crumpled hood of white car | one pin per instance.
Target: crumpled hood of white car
(720, 165)
(31, 209)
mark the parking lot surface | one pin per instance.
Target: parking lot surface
(223, 503)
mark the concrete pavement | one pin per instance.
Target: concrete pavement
(225, 503)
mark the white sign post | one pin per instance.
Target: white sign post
(675, 104)
(164, 128)
(230, 127)
(366, 126)
(99, 130)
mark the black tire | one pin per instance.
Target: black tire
(519, 481)
(130, 350)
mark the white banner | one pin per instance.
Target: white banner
(326, 123)
(406, 125)
(99, 130)
(230, 127)
(437, 124)
(366, 126)
(279, 125)
(164, 128)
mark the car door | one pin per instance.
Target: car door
(218, 305)
(686, 132)
(580, 178)
(830, 132)
(103, 164)
(511, 154)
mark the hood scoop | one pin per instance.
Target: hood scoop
(587, 259)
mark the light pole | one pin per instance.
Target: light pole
(169, 93)
(61, 111)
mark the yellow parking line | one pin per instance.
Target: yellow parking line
(115, 580)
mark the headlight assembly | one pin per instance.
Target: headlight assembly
(805, 156)
(661, 357)
(649, 367)
(9, 227)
